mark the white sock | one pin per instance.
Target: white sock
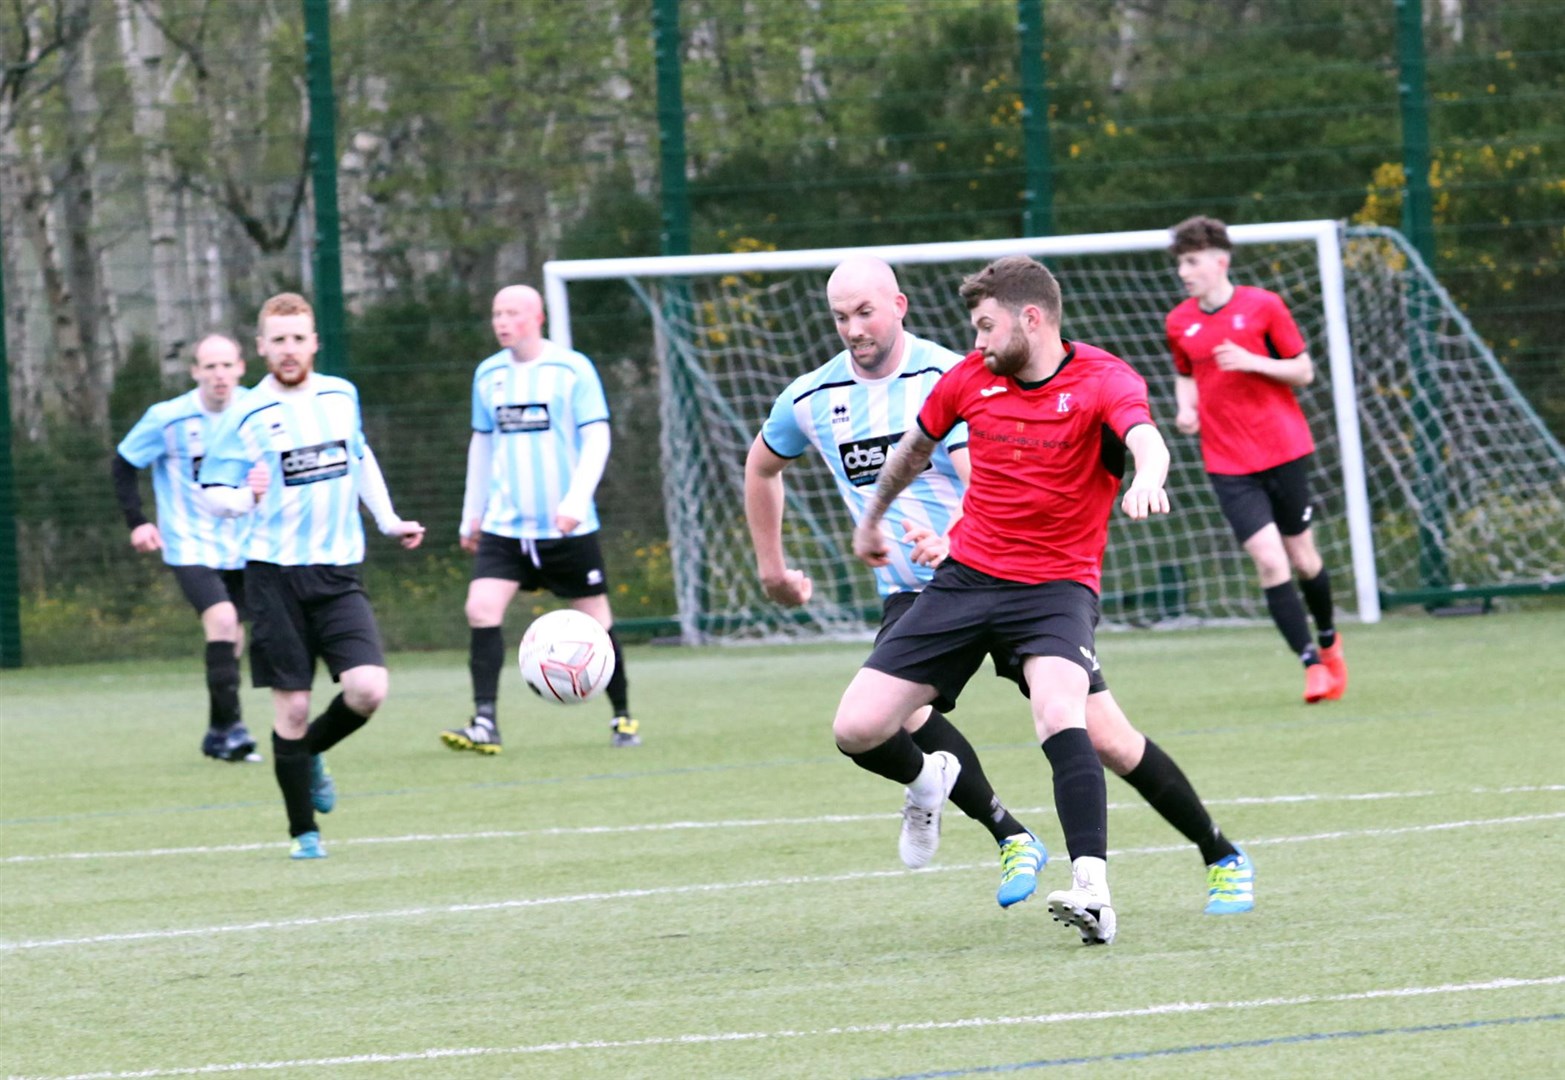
(1092, 874)
(926, 788)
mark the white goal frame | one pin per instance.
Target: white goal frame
(1324, 234)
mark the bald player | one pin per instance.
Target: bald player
(204, 552)
(852, 410)
(540, 443)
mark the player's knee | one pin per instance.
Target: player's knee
(852, 734)
(1272, 567)
(1055, 715)
(858, 728)
(220, 622)
(366, 690)
(1305, 559)
(481, 611)
(1119, 749)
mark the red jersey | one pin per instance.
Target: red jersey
(1046, 462)
(1248, 422)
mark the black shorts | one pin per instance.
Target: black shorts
(964, 615)
(205, 587)
(307, 613)
(1007, 664)
(569, 567)
(1280, 494)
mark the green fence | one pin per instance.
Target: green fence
(157, 181)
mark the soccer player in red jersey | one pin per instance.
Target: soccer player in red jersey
(1239, 357)
(1049, 425)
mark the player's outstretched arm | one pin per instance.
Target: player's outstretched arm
(1146, 493)
(764, 500)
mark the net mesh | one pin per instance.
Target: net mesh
(1465, 484)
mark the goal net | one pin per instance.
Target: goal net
(1432, 476)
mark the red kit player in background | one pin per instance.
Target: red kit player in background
(1239, 357)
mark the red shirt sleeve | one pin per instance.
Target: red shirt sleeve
(940, 411)
(1125, 400)
(1281, 330)
(1181, 360)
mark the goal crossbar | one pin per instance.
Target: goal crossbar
(1323, 234)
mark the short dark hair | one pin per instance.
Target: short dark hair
(1199, 234)
(1013, 282)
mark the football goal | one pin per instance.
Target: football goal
(1434, 479)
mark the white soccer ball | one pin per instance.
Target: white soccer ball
(566, 657)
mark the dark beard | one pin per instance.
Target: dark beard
(1010, 358)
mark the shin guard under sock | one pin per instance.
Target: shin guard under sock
(222, 684)
(898, 759)
(1164, 785)
(1288, 613)
(619, 683)
(1080, 796)
(332, 726)
(291, 764)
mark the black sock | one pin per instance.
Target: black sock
(1288, 613)
(291, 763)
(898, 758)
(1164, 785)
(619, 684)
(972, 793)
(332, 726)
(222, 684)
(1317, 597)
(1081, 798)
(485, 658)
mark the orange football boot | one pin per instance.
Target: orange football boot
(1318, 683)
(1334, 662)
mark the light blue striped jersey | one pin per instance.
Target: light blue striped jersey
(313, 442)
(854, 423)
(172, 437)
(535, 411)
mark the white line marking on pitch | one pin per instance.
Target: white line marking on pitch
(753, 823)
(720, 886)
(966, 1023)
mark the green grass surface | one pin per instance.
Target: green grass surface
(726, 901)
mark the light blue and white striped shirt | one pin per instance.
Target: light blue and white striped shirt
(855, 423)
(172, 437)
(313, 441)
(534, 412)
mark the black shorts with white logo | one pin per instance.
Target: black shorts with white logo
(569, 567)
(205, 587)
(1007, 665)
(1280, 494)
(964, 615)
(302, 614)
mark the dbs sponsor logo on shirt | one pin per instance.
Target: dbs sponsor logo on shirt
(514, 419)
(862, 459)
(309, 464)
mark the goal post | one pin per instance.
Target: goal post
(732, 330)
